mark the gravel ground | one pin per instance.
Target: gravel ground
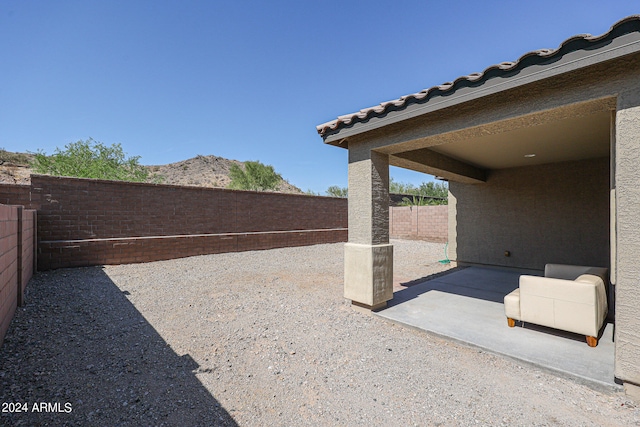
(261, 338)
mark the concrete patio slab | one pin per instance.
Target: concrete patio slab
(466, 305)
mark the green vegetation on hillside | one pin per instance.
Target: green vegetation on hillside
(19, 159)
(91, 159)
(335, 191)
(255, 176)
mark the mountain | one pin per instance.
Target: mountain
(204, 171)
(200, 171)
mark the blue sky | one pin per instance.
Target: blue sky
(250, 80)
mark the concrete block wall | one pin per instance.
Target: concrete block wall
(59, 254)
(13, 194)
(90, 222)
(17, 242)
(8, 266)
(27, 248)
(427, 223)
(73, 208)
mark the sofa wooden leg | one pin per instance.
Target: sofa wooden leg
(592, 341)
(511, 322)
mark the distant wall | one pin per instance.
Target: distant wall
(419, 222)
(14, 194)
(90, 222)
(16, 260)
(553, 213)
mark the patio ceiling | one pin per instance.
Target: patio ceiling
(574, 138)
(570, 133)
(568, 139)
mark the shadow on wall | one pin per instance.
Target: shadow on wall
(79, 341)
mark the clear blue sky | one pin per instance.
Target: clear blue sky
(250, 80)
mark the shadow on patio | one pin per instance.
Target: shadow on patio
(466, 305)
(81, 344)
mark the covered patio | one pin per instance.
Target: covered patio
(541, 155)
(465, 305)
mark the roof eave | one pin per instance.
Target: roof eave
(599, 50)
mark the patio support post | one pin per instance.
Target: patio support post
(368, 256)
(627, 275)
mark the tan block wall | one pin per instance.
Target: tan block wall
(427, 223)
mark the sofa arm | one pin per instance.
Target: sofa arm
(512, 305)
(601, 294)
(575, 306)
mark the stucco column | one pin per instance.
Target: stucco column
(368, 256)
(627, 212)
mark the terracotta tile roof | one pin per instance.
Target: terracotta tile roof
(530, 58)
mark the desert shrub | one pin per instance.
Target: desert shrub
(335, 191)
(255, 176)
(91, 159)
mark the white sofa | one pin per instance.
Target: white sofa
(569, 297)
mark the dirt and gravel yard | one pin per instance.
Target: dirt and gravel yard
(260, 338)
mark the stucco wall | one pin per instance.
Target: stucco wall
(555, 213)
(627, 177)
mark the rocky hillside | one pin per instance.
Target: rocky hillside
(200, 171)
(14, 167)
(203, 171)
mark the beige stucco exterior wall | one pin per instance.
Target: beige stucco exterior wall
(627, 177)
(554, 213)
